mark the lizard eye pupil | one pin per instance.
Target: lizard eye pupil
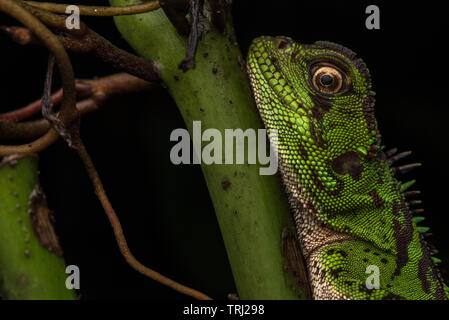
(327, 79)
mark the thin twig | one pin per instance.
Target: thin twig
(195, 34)
(98, 10)
(33, 147)
(53, 20)
(68, 112)
(12, 131)
(94, 94)
(68, 131)
(29, 110)
(120, 237)
(92, 43)
(82, 90)
(85, 40)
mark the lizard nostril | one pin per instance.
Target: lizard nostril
(283, 43)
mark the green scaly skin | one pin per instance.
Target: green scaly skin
(349, 208)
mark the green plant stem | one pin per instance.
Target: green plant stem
(251, 209)
(28, 271)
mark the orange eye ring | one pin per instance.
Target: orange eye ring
(328, 80)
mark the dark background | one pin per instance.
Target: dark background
(165, 210)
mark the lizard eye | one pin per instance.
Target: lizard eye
(327, 79)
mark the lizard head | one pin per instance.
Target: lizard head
(321, 91)
(317, 105)
(318, 97)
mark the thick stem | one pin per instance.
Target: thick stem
(251, 209)
(28, 270)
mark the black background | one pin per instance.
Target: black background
(165, 210)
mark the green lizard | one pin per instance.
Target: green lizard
(350, 210)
